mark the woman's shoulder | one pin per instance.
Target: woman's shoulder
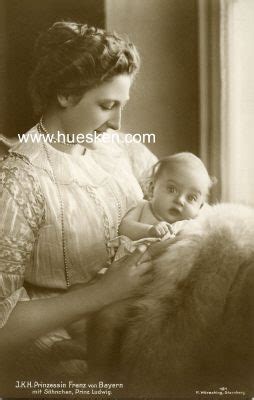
(26, 145)
(17, 167)
(140, 157)
(135, 147)
(5, 145)
(19, 182)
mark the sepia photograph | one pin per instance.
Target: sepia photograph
(126, 199)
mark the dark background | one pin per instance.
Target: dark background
(166, 95)
(24, 20)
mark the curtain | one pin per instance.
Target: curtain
(210, 90)
(237, 110)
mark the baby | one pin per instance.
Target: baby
(179, 188)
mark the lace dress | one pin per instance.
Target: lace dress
(97, 189)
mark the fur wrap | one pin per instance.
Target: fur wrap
(193, 328)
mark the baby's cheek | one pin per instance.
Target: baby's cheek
(192, 211)
(196, 210)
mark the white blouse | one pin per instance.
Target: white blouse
(96, 191)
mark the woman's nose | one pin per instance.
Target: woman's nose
(115, 119)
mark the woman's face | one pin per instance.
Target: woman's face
(99, 109)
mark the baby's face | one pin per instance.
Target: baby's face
(178, 194)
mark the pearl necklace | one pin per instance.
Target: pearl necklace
(41, 129)
(44, 130)
(61, 202)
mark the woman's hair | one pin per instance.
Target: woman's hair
(188, 160)
(73, 58)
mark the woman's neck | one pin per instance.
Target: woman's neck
(52, 125)
(75, 149)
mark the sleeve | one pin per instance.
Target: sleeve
(5, 145)
(142, 161)
(21, 214)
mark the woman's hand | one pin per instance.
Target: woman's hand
(126, 275)
(157, 248)
(32, 319)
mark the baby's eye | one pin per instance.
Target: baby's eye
(192, 198)
(172, 189)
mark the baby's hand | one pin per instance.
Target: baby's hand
(161, 229)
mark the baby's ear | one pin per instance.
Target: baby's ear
(214, 180)
(147, 187)
(150, 190)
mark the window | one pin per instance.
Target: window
(237, 102)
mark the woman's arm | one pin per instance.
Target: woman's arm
(22, 319)
(31, 319)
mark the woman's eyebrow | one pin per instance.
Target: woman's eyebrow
(117, 101)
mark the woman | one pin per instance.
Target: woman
(60, 204)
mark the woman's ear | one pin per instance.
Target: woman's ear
(65, 100)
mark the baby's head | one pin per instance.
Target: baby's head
(180, 187)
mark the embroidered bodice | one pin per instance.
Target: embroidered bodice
(97, 189)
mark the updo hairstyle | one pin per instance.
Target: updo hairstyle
(73, 58)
